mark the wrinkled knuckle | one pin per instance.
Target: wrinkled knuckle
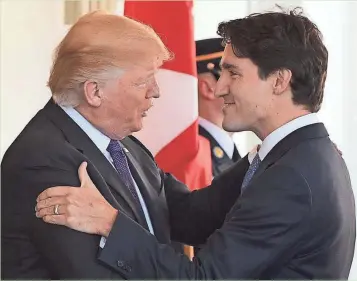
(49, 219)
(38, 206)
(43, 212)
(41, 205)
(45, 194)
(46, 211)
(45, 202)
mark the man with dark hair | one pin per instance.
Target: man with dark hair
(295, 217)
(223, 149)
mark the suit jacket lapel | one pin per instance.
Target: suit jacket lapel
(313, 131)
(149, 193)
(79, 139)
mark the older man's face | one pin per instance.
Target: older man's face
(126, 100)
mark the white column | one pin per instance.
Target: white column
(120, 7)
(30, 30)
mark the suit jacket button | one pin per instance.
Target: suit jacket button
(128, 268)
(120, 264)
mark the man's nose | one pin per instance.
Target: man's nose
(220, 89)
(154, 91)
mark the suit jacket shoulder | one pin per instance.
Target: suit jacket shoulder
(293, 221)
(142, 146)
(48, 153)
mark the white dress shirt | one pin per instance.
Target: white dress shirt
(102, 142)
(221, 136)
(276, 136)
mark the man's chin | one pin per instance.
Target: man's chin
(232, 127)
(139, 126)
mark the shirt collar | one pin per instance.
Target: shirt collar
(276, 136)
(98, 138)
(220, 135)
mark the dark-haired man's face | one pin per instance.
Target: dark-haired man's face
(247, 98)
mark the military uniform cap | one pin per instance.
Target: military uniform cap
(208, 56)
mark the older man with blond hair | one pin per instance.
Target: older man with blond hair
(103, 84)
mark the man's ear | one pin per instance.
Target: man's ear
(92, 93)
(281, 81)
(205, 88)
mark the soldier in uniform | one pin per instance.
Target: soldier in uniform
(223, 150)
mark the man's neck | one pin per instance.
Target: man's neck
(269, 125)
(92, 118)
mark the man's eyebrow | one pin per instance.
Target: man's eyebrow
(148, 75)
(228, 66)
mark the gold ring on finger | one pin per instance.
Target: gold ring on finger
(56, 209)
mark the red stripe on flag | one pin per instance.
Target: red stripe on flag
(172, 20)
(192, 167)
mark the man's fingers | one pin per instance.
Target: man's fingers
(84, 177)
(50, 202)
(55, 219)
(54, 191)
(82, 173)
(50, 211)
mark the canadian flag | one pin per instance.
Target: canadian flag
(171, 130)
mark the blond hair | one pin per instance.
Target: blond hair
(97, 47)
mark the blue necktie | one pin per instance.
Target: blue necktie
(251, 170)
(121, 165)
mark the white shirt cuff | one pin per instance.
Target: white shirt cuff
(103, 240)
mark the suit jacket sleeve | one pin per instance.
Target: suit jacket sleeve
(66, 253)
(263, 229)
(195, 215)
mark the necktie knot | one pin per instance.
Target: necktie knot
(114, 147)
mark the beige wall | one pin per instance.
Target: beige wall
(29, 32)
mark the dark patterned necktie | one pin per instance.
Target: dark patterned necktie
(251, 171)
(121, 165)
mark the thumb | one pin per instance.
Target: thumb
(84, 178)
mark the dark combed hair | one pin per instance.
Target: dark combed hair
(282, 40)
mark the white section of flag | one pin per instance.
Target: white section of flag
(173, 112)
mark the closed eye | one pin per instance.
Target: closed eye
(142, 83)
(234, 74)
